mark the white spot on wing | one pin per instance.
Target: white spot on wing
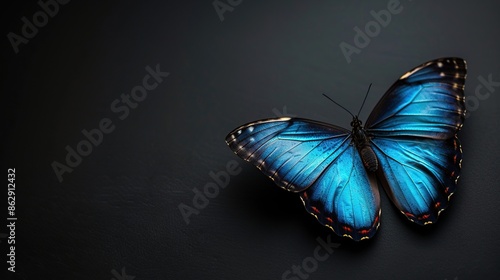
(408, 74)
(440, 64)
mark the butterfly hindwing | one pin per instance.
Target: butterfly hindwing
(346, 197)
(319, 161)
(413, 133)
(419, 175)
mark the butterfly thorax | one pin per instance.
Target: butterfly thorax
(362, 142)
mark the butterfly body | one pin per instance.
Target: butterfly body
(362, 142)
(409, 143)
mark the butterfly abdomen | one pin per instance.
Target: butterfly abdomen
(369, 158)
(362, 142)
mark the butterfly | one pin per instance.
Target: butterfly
(409, 143)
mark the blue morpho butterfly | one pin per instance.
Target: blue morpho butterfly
(409, 142)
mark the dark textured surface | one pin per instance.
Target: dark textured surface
(117, 213)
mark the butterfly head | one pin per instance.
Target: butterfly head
(356, 123)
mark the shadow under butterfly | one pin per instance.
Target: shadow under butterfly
(409, 142)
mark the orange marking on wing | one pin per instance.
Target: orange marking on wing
(329, 220)
(346, 228)
(364, 231)
(408, 214)
(424, 217)
(315, 210)
(437, 204)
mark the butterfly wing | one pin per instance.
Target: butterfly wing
(427, 101)
(318, 161)
(413, 133)
(346, 197)
(419, 175)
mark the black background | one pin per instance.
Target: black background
(117, 213)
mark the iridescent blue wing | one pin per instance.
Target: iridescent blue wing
(318, 161)
(413, 133)
(419, 175)
(427, 101)
(346, 197)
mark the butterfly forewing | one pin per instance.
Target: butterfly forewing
(427, 101)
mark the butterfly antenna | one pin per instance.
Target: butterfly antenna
(365, 98)
(338, 104)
